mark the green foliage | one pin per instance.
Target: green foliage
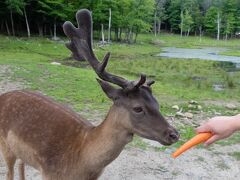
(211, 20)
(174, 12)
(15, 5)
(187, 21)
(57, 9)
(129, 17)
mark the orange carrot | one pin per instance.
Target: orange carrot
(199, 138)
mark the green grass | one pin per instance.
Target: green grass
(231, 53)
(174, 40)
(175, 80)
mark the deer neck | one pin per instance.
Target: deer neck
(107, 140)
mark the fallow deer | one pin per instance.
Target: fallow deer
(61, 144)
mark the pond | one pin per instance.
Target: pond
(203, 54)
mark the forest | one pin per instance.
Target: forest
(123, 20)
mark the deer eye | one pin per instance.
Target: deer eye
(138, 109)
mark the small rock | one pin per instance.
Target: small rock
(217, 113)
(176, 107)
(188, 115)
(218, 87)
(199, 107)
(190, 106)
(231, 106)
(55, 63)
(193, 102)
(180, 114)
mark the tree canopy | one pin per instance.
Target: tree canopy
(128, 17)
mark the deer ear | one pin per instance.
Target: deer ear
(109, 90)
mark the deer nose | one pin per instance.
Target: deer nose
(173, 136)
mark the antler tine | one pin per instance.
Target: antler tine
(141, 81)
(150, 82)
(81, 48)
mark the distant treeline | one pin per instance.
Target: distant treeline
(123, 19)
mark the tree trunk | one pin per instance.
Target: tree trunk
(218, 26)
(116, 34)
(135, 40)
(188, 32)
(26, 19)
(159, 26)
(7, 28)
(11, 16)
(102, 29)
(120, 33)
(155, 23)
(130, 36)
(45, 29)
(126, 35)
(2, 25)
(226, 36)
(55, 30)
(109, 25)
(181, 23)
(40, 30)
(50, 30)
(200, 33)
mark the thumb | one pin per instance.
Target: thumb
(212, 140)
(203, 128)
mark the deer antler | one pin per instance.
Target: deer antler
(81, 47)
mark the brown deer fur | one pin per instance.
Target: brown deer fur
(31, 122)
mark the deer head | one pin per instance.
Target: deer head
(135, 97)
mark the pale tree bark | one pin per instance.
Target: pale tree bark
(200, 33)
(7, 28)
(11, 16)
(40, 30)
(130, 36)
(155, 23)
(119, 34)
(103, 39)
(159, 26)
(218, 26)
(181, 23)
(109, 25)
(55, 30)
(26, 19)
(188, 32)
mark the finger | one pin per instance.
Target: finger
(212, 140)
(203, 128)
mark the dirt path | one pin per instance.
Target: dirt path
(136, 164)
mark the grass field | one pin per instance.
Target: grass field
(74, 83)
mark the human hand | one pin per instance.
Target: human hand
(221, 127)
